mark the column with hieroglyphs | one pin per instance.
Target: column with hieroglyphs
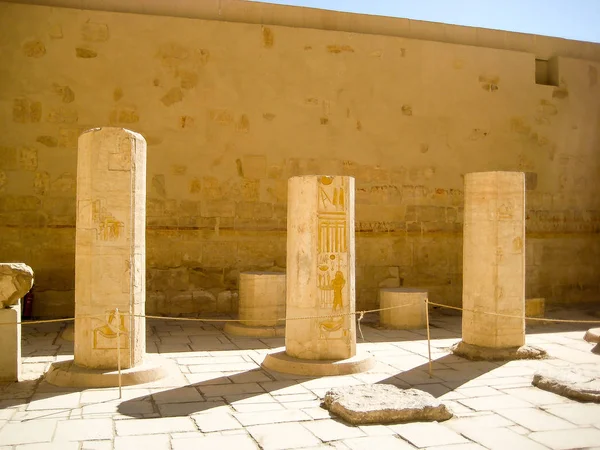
(494, 261)
(110, 253)
(320, 286)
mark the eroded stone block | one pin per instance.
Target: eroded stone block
(576, 383)
(403, 308)
(16, 279)
(384, 403)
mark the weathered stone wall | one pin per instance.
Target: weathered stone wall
(231, 110)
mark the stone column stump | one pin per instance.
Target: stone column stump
(320, 336)
(262, 302)
(494, 268)
(409, 308)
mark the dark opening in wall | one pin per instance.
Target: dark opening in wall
(546, 71)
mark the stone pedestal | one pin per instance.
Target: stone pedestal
(16, 279)
(261, 303)
(535, 307)
(10, 343)
(409, 308)
(493, 264)
(320, 294)
(110, 251)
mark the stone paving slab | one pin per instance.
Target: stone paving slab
(565, 440)
(283, 436)
(27, 432)
(377, 442)
(428, 434)
(83, 429)
(535, 419)
(501, 439)
(236, 442)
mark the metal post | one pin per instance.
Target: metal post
(118, 347)
(428, 336)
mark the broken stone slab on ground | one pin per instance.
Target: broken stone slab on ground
(384, 403)
(16, 279)
(476, 353)
(593, 336)
(577, 384)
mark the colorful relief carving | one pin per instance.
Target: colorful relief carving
(332, 255)
(105, 335)
(108, 227)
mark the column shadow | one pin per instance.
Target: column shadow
(219, 392)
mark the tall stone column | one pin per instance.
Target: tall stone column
(320, 335)
(494, 267)
(110, 263)
(110, 255)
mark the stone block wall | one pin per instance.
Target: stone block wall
(231, 110)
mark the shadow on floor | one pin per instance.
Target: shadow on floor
(223, 391)
(444, 378)
(217, 392)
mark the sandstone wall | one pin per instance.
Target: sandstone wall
(231, 110)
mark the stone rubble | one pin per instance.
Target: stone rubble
(384, 403)
(581, 384)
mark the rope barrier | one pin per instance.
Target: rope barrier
(360, 313)
(513, 316)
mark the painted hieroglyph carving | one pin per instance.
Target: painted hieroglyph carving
(108, 228)
(332, 254)
(112, 328)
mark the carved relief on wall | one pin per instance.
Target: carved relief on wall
(332, 255)
(105, 335)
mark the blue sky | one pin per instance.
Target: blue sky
(571, 19)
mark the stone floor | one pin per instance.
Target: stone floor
(222, 398)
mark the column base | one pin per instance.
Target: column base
(476, 353)
(239, 329)
(282, 362)
(68, 374)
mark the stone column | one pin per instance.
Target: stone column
(110, 253)
(320, 278)
(262, 303)
(493, 265)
